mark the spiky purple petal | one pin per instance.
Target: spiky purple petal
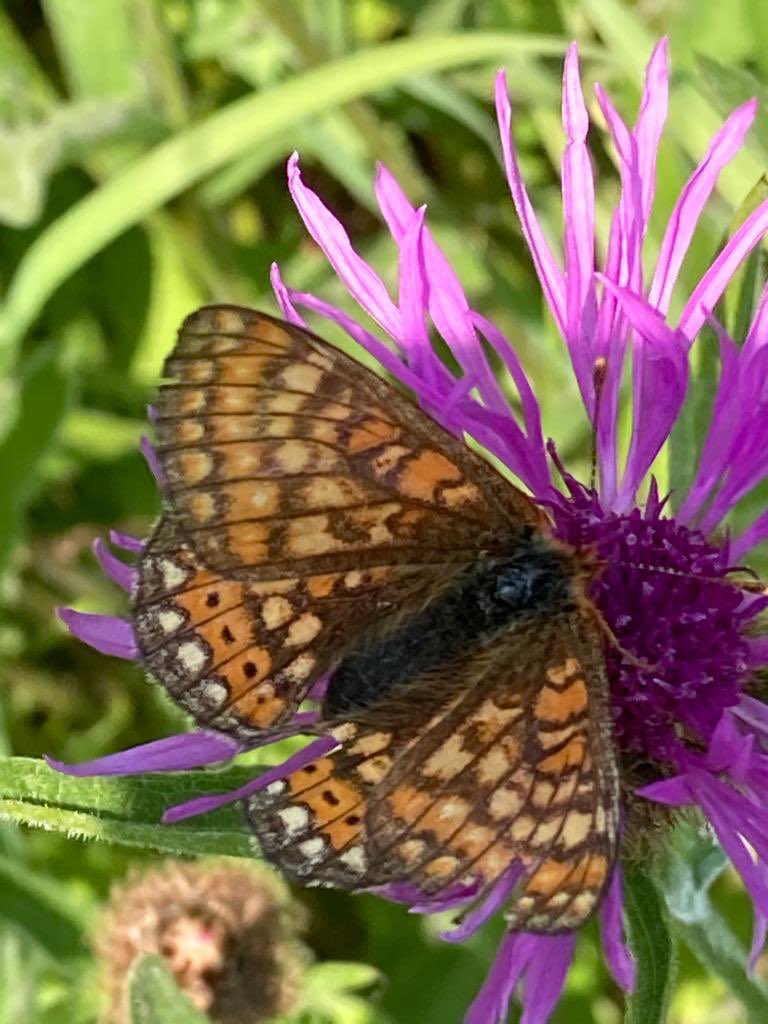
(493, 901)
(173, 754)
(204, 804)
(617, 954)
(105, 633)
(124, 576)
(541, 961)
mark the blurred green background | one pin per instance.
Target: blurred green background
(142, 153)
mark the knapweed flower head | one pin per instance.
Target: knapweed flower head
(224, 930)
(686, 645)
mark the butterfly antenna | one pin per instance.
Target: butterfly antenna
(599, 371)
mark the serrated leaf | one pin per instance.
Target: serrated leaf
(156, 999)
(652, 947)
(125, 810)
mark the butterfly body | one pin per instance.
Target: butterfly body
(316, 522)
(476, 609)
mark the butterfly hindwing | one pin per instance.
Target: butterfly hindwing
(517, 766)
(240, 654)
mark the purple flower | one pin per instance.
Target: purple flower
(687, 728)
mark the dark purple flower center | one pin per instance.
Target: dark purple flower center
(665, 593)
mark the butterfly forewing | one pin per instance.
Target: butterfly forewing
(282, 455)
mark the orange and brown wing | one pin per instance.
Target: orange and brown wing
(518, 767)
(284, 456)
(238, 653)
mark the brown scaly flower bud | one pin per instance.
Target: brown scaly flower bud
(226, 931)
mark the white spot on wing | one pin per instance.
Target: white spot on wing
(295, 819)
(192, 656)
(354, 858)
(214, 693)
(173, 575)
(312, 848)
(169, 620)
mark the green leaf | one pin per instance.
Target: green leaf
(155, 996)
(693, 420)
(38, 907)
(327, 993)
(651, 944)
(730, 87)
(243, 126)
(338, 976)
(694, 862)
(43, 403)
(126, 810)
(743, 291)
(453, 101)
(735, 311)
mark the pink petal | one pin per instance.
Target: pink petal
(631, 213)
(754, 534)
(660, 380)
(491, 1004)
(550, 274)
(204, 804)
(758, 942)
(699, 187)
(726, 415)
(536, 474)
(147, 449)
(578, 217)
(283, 296)
(757, 335)
(126, 541)
(126, 576)
(105, 633)
(651, 120)
(362, 282)
(172, 754)
(413, 300)
(617, 953)
(445, 298)
(368, 341)
(674, 792)
(610, 343)
(495, 899)
(404, 892)
(714, 282)
(545, 976)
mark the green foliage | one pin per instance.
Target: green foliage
(142, 147)
(652, 947)
(155, 997)
(124, 810)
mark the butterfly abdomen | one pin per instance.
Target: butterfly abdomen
(482, 602)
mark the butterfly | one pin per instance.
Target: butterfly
(317, 523)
